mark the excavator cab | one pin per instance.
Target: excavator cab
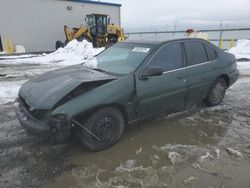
(97, 23)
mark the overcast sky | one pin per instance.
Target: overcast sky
(163, 14)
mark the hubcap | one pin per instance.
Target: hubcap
(218, 92)
(105, 128)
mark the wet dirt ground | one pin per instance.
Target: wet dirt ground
(204, 147)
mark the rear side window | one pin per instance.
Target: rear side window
(212, 55)
(169, 57)
(196, 53)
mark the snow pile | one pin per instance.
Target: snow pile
(241, 50)
(73, 53)
(244, 68)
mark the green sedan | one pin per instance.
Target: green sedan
(131, 80)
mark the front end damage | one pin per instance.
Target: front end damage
(41, 123)
(38, 99)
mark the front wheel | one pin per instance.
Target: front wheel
(59, 44)
(105, 128)
(217, 93)
(112, 40)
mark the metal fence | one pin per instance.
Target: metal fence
(225, 38)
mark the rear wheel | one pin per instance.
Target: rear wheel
(106, 126)
(217, 93)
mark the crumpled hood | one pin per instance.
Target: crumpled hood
(46, 90)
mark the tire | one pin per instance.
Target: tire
(81, 38)
(217, 93)
(59, 44)
(112, 40)
(107, 124)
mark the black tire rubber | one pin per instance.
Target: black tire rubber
(208, 100)
(81, 38)
(59, 44)
(112, 40)
(93, 144)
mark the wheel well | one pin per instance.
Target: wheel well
(226, 78)
(121, 109)
(84, 116)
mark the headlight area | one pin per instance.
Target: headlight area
(60, 126)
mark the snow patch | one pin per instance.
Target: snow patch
(138, 151)
(190, 180)
(175, 157)
(204, 157)
(244, 68)
(9, 91)
(127, 166)
(241, 50)
(234, 152)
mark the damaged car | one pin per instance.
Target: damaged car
(129, 81)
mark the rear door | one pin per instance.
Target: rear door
(167, 91)
(200, 71)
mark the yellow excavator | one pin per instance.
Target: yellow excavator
(98, 31)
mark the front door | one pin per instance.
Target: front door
(165, 92)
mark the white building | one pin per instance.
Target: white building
(38, 24)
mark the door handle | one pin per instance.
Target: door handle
(180, 76)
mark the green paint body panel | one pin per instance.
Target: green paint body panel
(119, 91)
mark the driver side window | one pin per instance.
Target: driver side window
(91, 22)
(168, 57)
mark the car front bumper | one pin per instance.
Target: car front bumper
(56, 128)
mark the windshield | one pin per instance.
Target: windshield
(123, 58)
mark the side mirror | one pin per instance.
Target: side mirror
(152, 71)
(85, 19)
(109, 21)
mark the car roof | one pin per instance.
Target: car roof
(159, 40)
